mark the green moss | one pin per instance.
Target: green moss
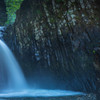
(39, 12)
(52, 20)
(93, 51)
(12, 6)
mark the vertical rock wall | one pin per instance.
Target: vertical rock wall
(3, 16)
(59, 37)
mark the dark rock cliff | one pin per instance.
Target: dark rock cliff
(3, 15)
(58, 37)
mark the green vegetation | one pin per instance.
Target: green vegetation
(94, 51)
(12, 6)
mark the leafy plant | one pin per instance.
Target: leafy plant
(12, 6)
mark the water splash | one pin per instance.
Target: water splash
(11, 74)
(41, 93)
(12, 80)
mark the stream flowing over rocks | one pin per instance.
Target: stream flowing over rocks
(58, 43)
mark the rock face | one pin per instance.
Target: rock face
(58, 37)
(3, 16)
(86, 97)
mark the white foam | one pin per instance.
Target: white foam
(40, 93)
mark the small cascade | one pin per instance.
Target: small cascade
(11, 76)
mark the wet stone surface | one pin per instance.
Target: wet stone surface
(86, 97)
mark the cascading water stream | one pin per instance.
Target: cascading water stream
(12, 80)
(15, 76)
(10, 71)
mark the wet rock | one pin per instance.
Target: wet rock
(86, 97)
(3, 15)
(51, 37)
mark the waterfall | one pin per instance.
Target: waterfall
(11, 75)
(12, 80)
(9, 64)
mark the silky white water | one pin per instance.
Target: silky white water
(40, 93)
(13, 77)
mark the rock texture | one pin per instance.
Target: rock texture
(3, 15)
(58, 37)
(86, 97)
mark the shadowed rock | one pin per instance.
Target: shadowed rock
(3, 15)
